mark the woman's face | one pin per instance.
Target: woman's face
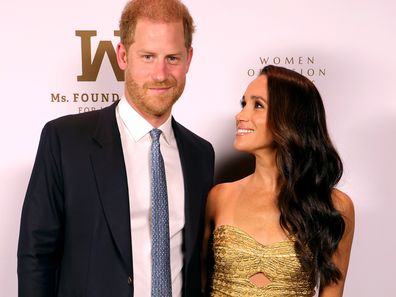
(252, 133)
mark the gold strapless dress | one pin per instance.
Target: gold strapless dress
(238, 257)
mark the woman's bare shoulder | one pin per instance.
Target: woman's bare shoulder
(223, 191)
(343, 203)
(226, 189)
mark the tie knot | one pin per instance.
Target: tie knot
(155, 134)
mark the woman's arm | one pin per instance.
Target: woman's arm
(341, 257)
(206, 252)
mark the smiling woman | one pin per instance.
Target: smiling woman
(252, 120)
(287, 220)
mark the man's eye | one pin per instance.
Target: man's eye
(173, 59)
(147, 57)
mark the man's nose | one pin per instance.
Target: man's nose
(160, 71)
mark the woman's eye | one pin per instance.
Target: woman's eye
(258, 105)
(243, 103)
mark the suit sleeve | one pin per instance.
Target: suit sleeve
(41, 230)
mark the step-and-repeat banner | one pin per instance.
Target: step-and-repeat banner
(58, 58)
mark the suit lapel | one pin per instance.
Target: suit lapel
(193, 202)
(110, 173)
(109, 169)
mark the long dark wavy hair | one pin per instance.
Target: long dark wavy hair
(309, 168)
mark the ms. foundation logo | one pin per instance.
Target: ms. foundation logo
(91, 67)
(91, 63)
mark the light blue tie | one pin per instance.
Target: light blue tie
(161, 284)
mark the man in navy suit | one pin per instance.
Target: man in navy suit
(85, 226)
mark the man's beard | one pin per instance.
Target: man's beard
(156, 104)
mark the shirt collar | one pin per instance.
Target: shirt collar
(138, 126)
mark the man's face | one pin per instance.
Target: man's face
(155, 67)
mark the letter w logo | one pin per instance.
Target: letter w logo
(90, 68)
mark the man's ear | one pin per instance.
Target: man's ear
(122, 58)
(189, 58)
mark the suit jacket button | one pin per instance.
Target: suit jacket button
(130, 280)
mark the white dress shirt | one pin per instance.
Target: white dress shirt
(136, 144)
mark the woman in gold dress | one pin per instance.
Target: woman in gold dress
(284, 230)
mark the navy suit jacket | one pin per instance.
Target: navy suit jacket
(75, 236)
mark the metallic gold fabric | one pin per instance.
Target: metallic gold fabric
(238, 256)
